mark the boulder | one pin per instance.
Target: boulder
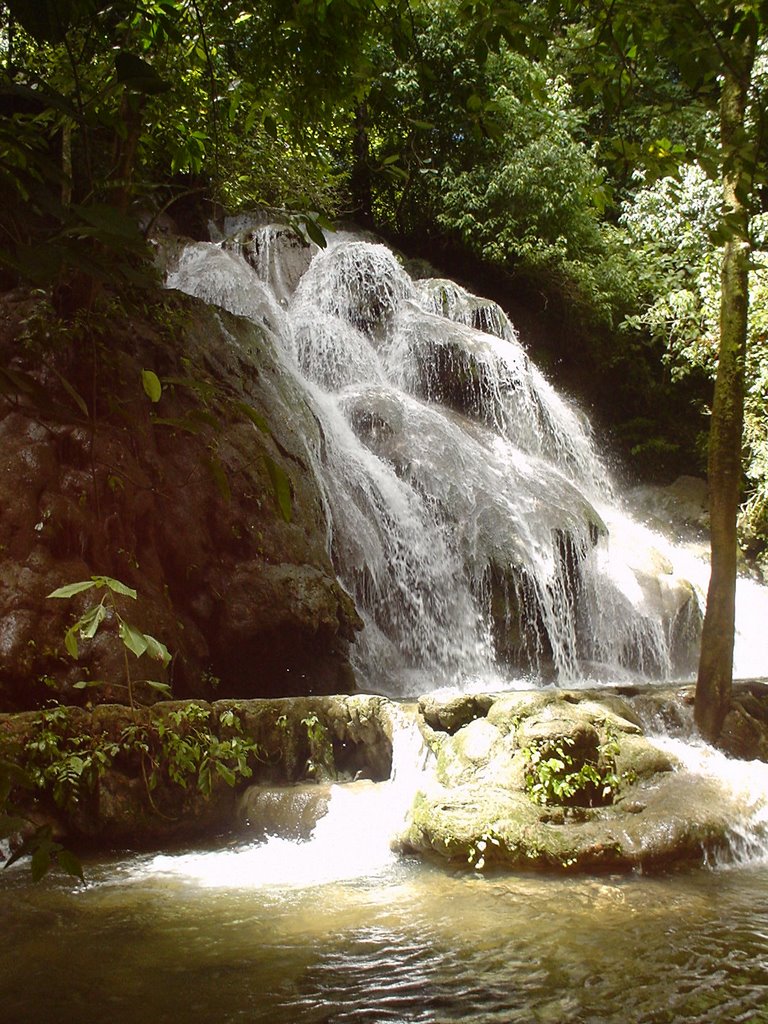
(145, 777)
(290, 812)
(560, 780)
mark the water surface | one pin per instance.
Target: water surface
(411, 943)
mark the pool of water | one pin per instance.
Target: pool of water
(156, 940)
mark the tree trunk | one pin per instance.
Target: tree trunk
(360, 178)
(715, 677)
(126, 145)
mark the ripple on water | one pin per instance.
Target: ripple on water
(414, 945)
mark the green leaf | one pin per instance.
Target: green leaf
(134, 640)
(158, 651)
(256, 418)
(87, 684)
(220, 477)
(151, 384)
(91, 621)
(116, 586)
(226, 773)
(69, 863)
(281, 488)
(162, 687)
(73, 588)
(75, 395)
(315, 232)
(70, 640)
(178, 424)
(16, 382)
(203, 416)
(41, 860)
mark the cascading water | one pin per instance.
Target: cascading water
(744, 786)
(353, 838)
(469, 512)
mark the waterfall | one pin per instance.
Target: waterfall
(470, 514)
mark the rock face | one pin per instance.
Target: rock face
(558, 780)
(204, 502)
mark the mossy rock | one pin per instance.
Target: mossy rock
(480, 809)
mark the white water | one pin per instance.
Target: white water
(471, 517)
(469, 512)
(744, 786)
(352, 840)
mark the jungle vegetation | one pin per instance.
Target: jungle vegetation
(602, 164)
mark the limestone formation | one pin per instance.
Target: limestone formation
(547, 779)
(559, 780)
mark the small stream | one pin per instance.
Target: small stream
(410, 943)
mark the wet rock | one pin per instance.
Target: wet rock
(449, 715)
(559, 780)
(745, 729)
(132, 777)
(290, 812)
(177, 500)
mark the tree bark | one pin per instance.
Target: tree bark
(715, 676)
(360, 179)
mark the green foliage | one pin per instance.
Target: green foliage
(61, 762)
(38, 843)
(184, 747)
(133, 639)
(320, 762)
(493, 150)
(480, 852)
(672, 223)
(556, 775)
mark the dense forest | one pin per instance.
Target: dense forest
(601, 167)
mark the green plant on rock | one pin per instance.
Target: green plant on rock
(58, 761)
(320, 761)
(554, 774)
(191, 750)
(133, 639)
(477, 854)
(63, 762)
(183, 746)
(38, 843)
